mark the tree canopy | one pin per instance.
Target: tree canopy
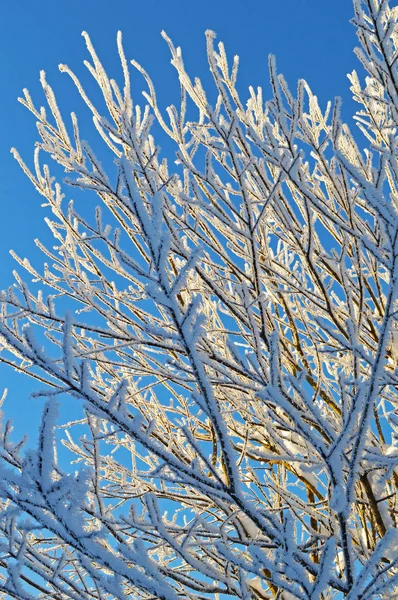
(227, 323)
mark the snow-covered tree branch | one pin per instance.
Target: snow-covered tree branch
(227, 324)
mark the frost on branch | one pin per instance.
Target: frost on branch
(230, 338)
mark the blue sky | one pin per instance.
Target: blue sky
(312, 39)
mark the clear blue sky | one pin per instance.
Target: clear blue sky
(312, 39)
